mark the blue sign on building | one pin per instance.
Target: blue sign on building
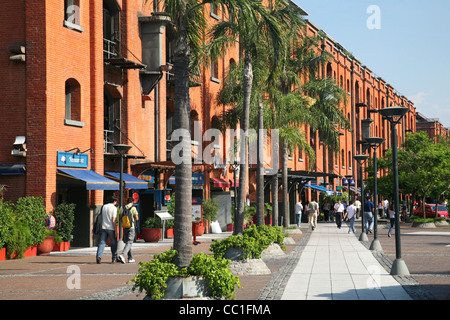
(72, 159)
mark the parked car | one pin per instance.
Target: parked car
(430, 211)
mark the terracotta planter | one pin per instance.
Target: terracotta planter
(46, 247)
(198, 228)
(230, 227)
(30, 252)
(2, 254)
(169, 233)
(151, 234)
(61, 246)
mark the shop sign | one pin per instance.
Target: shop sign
(72, 159)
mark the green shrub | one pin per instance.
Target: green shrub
(253, 241)
(152, 276)
(32, 211)
(266, 235)
(6, 222)
(152, 223)
(251, 248)
(64, 215)
(20, 238)
(210, 209)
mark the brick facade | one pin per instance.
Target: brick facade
(33, 98)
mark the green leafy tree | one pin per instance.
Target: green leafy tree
(423, 168)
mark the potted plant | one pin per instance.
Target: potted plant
(32, 211)
(151, 229)
(27, 229)
(20, 241)
(205, 276)
(169, 230)
(64, 215)
(47, 245)
(210, 212)
(6, 223)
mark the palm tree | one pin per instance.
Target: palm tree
(253, 26)
(291, 107)
(189, 24)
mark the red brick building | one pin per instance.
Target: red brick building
(81, 76)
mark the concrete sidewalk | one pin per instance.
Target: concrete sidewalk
(335, 265)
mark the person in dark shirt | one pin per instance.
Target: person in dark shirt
(368, 214)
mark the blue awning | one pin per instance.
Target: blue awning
(94, 181)
(12, 170)
(131, 182)
(329, 192)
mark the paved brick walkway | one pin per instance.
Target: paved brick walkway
(426, 253)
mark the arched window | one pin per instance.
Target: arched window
(349, 159)
(72, 103)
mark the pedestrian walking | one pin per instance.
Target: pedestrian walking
(391, 219)
(351, 214)
(338, 211)
(313, 213)
(298, 212)
(108, 229)
(130, 214)
(368, 214)
(326, 210)
(386, 207)
(357, 204)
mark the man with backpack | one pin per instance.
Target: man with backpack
(129, 216)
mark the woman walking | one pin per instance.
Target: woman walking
(391, 218)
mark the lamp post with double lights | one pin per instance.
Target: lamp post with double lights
(122, 149)
(361, 159)
(374, 143)
(394, 116)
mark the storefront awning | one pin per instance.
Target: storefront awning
(93, 180)
(220, 183)
(12, 170)
(329, 192)
(131, 182)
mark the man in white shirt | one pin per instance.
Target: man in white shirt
(351, 214)
(358, 207)
(109, 214)
(313, 213)
(298, 211)
(339, 210)
(386, 207)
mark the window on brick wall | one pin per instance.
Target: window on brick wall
(72, 15)
(215, 71)
(73, 103)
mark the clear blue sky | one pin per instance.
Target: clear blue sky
(410, 50)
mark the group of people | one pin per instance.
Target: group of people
(339, 211)
(108, 228)
(342, 211)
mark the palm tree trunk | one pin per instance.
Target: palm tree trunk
(243, 172)
(183, 170)
(260, 169)
(284, 163)
(275, 200)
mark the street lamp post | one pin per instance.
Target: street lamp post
(361, 158)
(374, 143)
(394, 116)
(122, 149)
